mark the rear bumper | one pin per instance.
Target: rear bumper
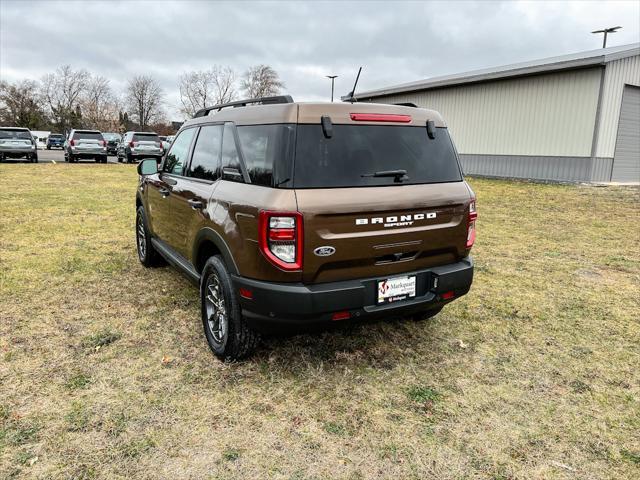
(17, 152)
(286, 306)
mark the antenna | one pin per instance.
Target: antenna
(351, 95)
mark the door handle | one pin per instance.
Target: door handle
(196, 204)
(164, 191)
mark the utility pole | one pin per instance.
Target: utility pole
(606, 31)
(333, 79)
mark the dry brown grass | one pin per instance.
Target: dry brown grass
(105, 372)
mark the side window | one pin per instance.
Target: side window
(206, 153)
(231, 169)
(177, 156)
(260, 144)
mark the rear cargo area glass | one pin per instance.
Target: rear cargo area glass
(357, 150)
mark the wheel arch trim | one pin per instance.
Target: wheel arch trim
(209, 234)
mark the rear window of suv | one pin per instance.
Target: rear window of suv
(355, 152)
(18, 134)
(87, 136)
(145, 137)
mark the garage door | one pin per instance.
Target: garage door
(626, 160)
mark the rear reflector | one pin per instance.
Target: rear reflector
(380, 117)
(448, 295)
(341, 316)
(246, 293)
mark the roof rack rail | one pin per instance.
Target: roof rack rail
(406, 104)
(243, 103)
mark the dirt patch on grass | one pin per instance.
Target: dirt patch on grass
(105, 373)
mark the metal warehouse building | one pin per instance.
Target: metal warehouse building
(573, 118)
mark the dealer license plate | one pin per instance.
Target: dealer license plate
(396, 289)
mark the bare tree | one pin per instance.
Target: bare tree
(261, 81)
(143, 100)
(20, 105)
(199, 89)
(62, 91)
(99, 105)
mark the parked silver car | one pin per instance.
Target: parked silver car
(85, 144)
(138, 145)
(16, 142)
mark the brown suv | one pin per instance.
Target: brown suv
(292, 215)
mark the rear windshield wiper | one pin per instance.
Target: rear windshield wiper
(398, 175)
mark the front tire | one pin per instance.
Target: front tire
(147, 254)
(227, 333)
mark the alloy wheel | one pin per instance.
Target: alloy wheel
(215, 309)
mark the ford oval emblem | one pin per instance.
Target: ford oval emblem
(324, 251)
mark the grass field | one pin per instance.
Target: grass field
(105, 373)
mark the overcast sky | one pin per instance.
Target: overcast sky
(394, 41)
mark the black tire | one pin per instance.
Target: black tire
(147, 254)
(129, 158)
(48, 147)
(71, 158)
(34, 158)
(103, 159)
(427, 315)
(228, 335)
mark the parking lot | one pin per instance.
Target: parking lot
(57, 155)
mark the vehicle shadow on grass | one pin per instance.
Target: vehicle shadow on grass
(374, 343)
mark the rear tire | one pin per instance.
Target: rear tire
(34, 158)
(147, 254)
(227, 333)
(129, 158)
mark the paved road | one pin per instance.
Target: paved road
(57, 155)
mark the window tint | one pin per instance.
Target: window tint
(145, 137)
(357, 150)
(21, 134)
(206, 153)
(230, 157)
(87, 136)
(263, 147)
(55, 135)
(177, 156)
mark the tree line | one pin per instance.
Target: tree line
(68, 98)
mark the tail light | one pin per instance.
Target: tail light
(471, 230)
(72, 142)
(132, 144)
(104, 143)
(280, 238)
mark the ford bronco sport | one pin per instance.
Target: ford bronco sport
(291, 215)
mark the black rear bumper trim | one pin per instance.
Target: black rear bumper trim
(276, 305)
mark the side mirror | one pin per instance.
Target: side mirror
(148, 167)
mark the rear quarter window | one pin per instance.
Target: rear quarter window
(266, 152)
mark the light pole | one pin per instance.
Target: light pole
(333, 79)
(605, 31)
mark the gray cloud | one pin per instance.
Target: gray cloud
(395, 41)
